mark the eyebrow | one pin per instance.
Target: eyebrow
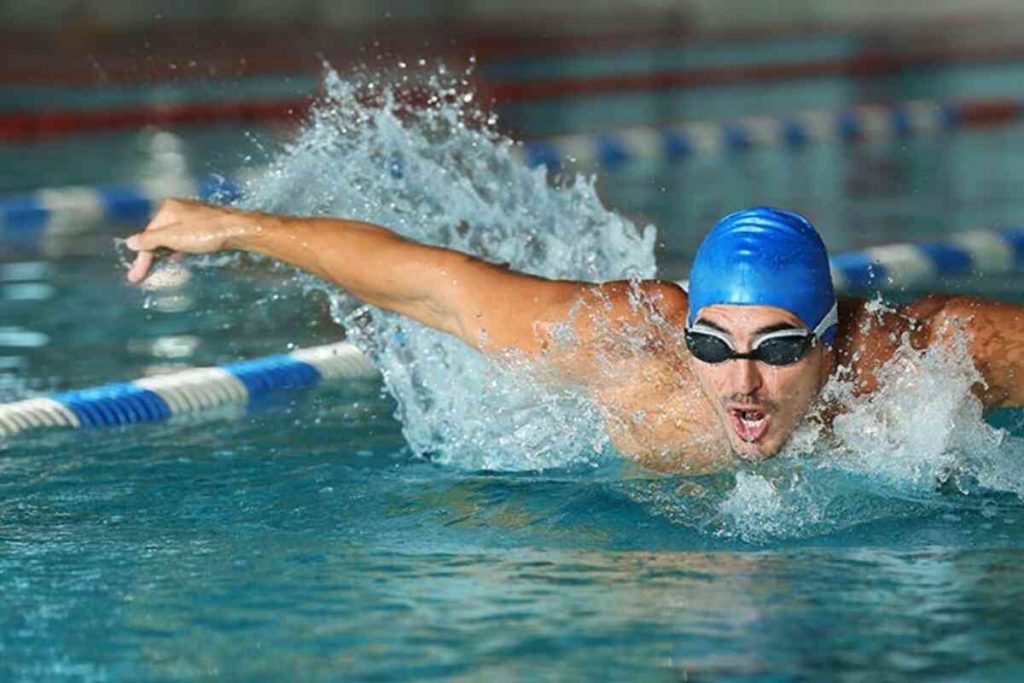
(758, 332)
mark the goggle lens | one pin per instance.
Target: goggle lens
(708, 348)
(783, 350)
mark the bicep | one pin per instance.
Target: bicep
(501, 310)
(497, 309)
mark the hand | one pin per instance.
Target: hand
(184, 226)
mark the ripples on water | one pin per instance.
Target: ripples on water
(304, 540)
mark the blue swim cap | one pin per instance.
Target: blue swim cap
(766, 257)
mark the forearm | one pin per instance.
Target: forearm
(370, 262)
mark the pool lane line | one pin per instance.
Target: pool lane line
(25, 125)
(859, 123)
(154, 399)
(27, 220)
(907, 265)
(72, 210)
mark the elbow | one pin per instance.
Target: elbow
(968, 326)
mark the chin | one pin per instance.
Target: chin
(754, 452)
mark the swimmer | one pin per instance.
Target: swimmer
(728, 370)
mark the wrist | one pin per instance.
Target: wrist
(245, 230)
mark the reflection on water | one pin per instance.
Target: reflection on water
(272, 585)
(29, 291)
(305, 539)
(25, 271)
(15, 337)
(167, 347)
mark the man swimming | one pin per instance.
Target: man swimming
(686, 381)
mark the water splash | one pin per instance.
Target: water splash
(442, 175)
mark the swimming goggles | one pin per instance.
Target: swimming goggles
(782, 347)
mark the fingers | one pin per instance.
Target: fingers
(178, 225)
(144, 243)
(140, 267)
(152, 237)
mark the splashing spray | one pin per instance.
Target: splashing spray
(440, 174)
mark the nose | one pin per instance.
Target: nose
(745, 376)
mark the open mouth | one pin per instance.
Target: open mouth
(750, 424)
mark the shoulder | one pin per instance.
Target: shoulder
(870, 333)
(668, 299)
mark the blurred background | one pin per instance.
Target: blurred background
(883, 122)
(108, 92)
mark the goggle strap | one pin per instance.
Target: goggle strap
(831, 318)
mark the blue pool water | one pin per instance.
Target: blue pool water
(315, 536)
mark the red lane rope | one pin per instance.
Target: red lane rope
(868, 63)
(989, 112)
(20, 126)
(30, 125)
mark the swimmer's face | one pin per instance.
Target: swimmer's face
(758, 404)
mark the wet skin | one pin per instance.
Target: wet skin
(622, 342)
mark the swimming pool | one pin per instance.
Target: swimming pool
(304, 538)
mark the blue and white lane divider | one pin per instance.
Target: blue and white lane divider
(158, 398)
(897, 266)
(74, 210)
(676, 142)
(153, 399)
(858, 123)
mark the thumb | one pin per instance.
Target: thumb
(145, 241)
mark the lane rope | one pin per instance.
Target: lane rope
(26, 219)
(860, 123)
(168, 110)
(153, 399)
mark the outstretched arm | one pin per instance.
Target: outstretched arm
(490, 307)
(995, 336)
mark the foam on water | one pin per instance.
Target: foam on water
(443, 176)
